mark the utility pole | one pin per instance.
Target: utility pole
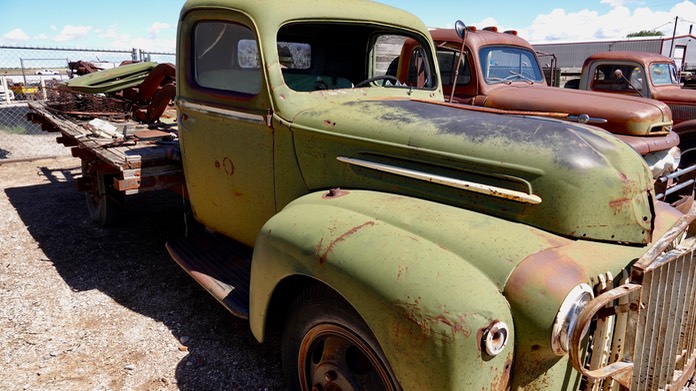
(674, 33)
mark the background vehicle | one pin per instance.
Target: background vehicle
(46, 72)
(395, 240)
(646, 75)
(6, 96)
(501, 72)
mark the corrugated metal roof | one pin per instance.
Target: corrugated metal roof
(572, 55)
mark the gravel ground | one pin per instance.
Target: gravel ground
(89, 308)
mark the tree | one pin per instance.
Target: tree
(646, 33)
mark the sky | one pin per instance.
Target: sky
(151, 24)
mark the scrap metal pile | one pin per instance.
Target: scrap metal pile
(140, 91)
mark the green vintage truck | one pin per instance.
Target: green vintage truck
(398, 242)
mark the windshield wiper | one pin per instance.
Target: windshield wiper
(521, 76)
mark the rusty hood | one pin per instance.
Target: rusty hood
(569, 179)
(675, 95)
(624, 114)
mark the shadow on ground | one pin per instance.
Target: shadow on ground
(130, 264)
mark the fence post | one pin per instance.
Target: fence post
(4, 88)
(43, 87)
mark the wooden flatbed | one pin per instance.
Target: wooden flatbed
(119, 156)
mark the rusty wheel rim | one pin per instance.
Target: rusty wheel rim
(333, 358)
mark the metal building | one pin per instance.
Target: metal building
(570, 56)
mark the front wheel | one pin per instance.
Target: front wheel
(326, 346)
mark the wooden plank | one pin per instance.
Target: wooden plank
(143, 164)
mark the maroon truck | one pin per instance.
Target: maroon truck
(500, 72)
(647, 75)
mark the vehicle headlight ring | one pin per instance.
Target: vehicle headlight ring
(566, 318)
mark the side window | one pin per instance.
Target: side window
(226, 57)
(387, 56)
(447, 60)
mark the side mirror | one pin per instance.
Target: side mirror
(460, 28)
(618, 74)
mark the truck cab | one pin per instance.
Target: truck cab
(646, 75)
(399, 241)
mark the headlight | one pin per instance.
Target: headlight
(663, 162)
(567, 315)
(495, 338)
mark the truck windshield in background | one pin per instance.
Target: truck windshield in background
(664, 74)
(501, 64)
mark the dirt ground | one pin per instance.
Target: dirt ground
(88, 308)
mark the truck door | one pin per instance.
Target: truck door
(226, 139)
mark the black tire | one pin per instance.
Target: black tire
(327, 345)
(104, 203)
(688, 156)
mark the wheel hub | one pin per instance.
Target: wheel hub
(330, 377)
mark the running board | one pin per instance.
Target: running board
(221, 265)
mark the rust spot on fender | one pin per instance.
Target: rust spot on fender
(400, 270)
(335, 193)
(344, 236)
(217, 164)
(502, 380)
(551, 273)
(619, 204)
(443, 326)
(229, 166)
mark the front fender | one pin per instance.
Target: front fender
(427, 306)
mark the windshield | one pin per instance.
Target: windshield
(318, 56)
(508, 64)
(663, 74)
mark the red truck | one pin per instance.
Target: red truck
(500, 72)
(647, 75)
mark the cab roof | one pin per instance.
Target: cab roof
(632, 56)
(478, 38)
(274, 13)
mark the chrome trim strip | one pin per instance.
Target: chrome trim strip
(446, 181)
(238, 115)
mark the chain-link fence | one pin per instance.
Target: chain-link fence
(26, 73)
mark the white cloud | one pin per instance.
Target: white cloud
(619, 21)
(73, 33)
(614, 3)
(157, 27)
(16, 35)
(110, 32)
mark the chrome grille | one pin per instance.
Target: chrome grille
(664, 347)
(642, 333)
(682, 112)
